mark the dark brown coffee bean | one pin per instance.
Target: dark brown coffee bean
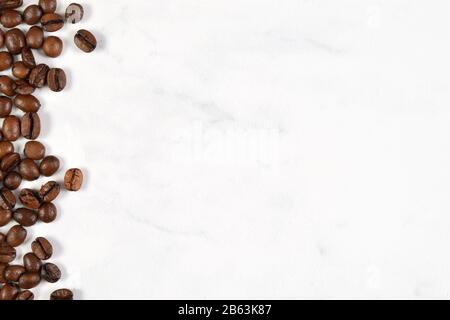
(9, 292)
(49, 165)
(27, 103)
(31, 262)
(2, 38)
(85, 40)
(31, 126)
(6, 147)
(30, 199)
(7, 86)
(16, 236)
(10, 4)
(49, 191)
(12, 180)
(5, 106)
(52, 47)
(47, 213)
(48, 6)
(62, 294)
(7, 199)
(23, 87)
(34, 150)
(11, 128)
(5, 217)
(20, 70)
(6, 60)
(38, 76)
(50, 272)
(9, 162)
(25, 296)
(52, 22)
(3, 267)
(15, 40)
(73, 179)
(28, 57)
(25, 217)
(35, 37)
(13, 273)
(32, 14)
(7, 253)
(29, 170)
(10, 18)
(29, 280)
(42, 248)
(56, 79)
(74, 13)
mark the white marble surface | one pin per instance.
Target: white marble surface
(255, 149)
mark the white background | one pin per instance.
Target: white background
(255, 149)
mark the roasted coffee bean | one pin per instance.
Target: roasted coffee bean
(7, 199)
(30, 199)
(34, 150)
(29, 170)
(47, 213)
(10, 4)
(6, 147)
(38, 76)
(10, 18)
(12, 180)
(35, 37)
(9, 292)
(11, 128)
(50, 272)
(31, 262)
(48, 6)
(61, 294)
(85, 40)
(6, 60)
(2, 38)
(27, 103)
(10, 162)
(7, 86)
(20, 70)
(52, 47)
(42, 248)
(15, 40)
(13, 273)
(16, 236)
(3, 267)
(32, 14)
(56, 79)
(74, 13)
(5, 217)
(28, 57)
(52, 22)
(25, 217)
(7, 253)
(25, 295)
(73, 179)
(29, 280)
(31, 126)
(49, 191)
(49, 165)
(5, 106)
(23, 87)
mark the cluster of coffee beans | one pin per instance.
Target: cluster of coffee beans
(25, 207)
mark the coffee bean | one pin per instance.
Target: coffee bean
(73, 179)
(7, 199)
(31, 262)
(6, 60)
(35, 37)
(85, 40)
(20, 70)
(9, 292)
(48, 6)
(50, 272)
(52, 47)
(32, 14)
(49, 191)
(34, 150)
(7, 253)
(13, 273)
(38, 76)
(52, 22)
(29, 170)
(30, 199)
(7, 86)
(16, 236)
(12, 180)
(74, 13)
(23, 87)
(49, 165)
(28, 57)
(27, 103)
(10, 4)
(25, 217)
(11, 128)
(5, 217)
(5, 106)
(61, 294)
(2, 38)
(3, 267)
(10, 162)
(42, 248)
(10, 18)
(31, 126)
(15, 40)
(6, 147)
(29, 280)
(56, 79)
(25, 295)
(47, 213)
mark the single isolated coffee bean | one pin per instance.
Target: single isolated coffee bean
(52, 22)
(56, 79)
(31, 126)
(7, 86)
(14, 40)
(12, 180)
(74, 13)
(48, 6)
(6, 60)
(47, 213)
(31, 262)
(61, 294)
(23, 87)
(29, 280)
(10, 162)
(5, 106)
(7, 199)
(33, 150)
(35, 37)
(73, 179)
(27, 103)
(10, 18)
(7, 253)
(16, 236)
(42, 248)
(25, 295)
(49, 191)
(28, 57)
(30, 199)
(38, 76)
(85, 41)
(52, 47)
(6, 147)
(13, 273)
(20, 70)
(29, 170)
(25, 217)
(11, 128)
(49, 165)
(9, 292)
(5, 217)
(50, 272)
(32, 14)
